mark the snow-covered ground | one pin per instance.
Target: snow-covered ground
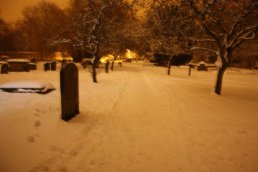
(136, 119)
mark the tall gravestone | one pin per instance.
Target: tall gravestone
(69, 91)
(107, 66)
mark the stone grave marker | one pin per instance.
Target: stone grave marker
(69, 91)
(53, 66)
(4, 68)
(46, 66)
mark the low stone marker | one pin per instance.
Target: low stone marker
(4, 68)
(46, 66)
(18, 65)
(33, 66)
(53, 66)
(202, 67)
(69, 86)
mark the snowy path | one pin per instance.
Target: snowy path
(137, 119)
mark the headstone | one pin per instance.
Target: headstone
(18, 65)
(4, 68)
(202, 67)
(53, 66)
(33, 66)
(26, 67)
(69, 91)
(46, 66)
(107, 66)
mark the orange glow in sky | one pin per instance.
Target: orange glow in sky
(11, 10)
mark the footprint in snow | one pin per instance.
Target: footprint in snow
(31, 139)
(37, 123)
(242, 132)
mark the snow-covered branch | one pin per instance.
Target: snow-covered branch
(205, 49)
(203, 40)
(245, 34)
(214, 35)
(97, 20)
(241, 18)
(204, 23)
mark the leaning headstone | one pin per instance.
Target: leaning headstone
(69, 91)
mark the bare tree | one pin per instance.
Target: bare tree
(169, 28)
(6, 36)
(127, 36)
(39, 24)
(84, 29)
(93, 25)
(227, 25)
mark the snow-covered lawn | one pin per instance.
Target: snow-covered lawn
(136, 119)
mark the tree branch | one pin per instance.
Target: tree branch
(204, 24)
(245, 34)
(245, 13)
(206, 49)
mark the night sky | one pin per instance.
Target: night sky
(11, 10)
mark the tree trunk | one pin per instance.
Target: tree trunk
(190, 69)
(113, 62)
(112, 65)
(94, 72)
(94, 68)
(220, 74)
(169, 68)
(95, 64)
(169, 65)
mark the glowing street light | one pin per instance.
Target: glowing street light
(128, 54)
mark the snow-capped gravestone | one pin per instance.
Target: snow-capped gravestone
(27, 86)
(19, 65)
(69, 91)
